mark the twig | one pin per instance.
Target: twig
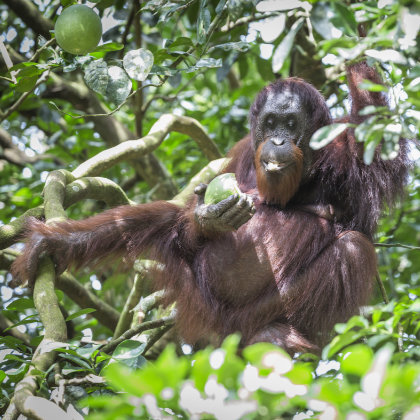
(7, 60)
(382, 288)
(107, 114)
(248, 19)
(166, 321)
(40, 50)
(16, 105)
(397, 245)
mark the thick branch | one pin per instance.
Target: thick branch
(32, 17)
(96, 188)
(112, 132)
(204, 176)
(140, 147)
(9, 234)
(54, 194)
(49, 311)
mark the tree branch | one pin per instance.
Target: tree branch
(140, 147)
(49, 311)
(166, 321)
(31, 16)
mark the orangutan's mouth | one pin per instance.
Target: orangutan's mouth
(273, 166)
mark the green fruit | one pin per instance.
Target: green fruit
(78, 29)
(220, 188)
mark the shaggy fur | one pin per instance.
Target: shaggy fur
(285, 276)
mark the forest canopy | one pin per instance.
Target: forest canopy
(147, 114)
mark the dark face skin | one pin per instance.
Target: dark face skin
(280, 127)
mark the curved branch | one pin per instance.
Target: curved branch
(113, 132)
(134, 148)
(204, 176)
(96, 188)
(46, 303)
(54, 194)
(9, 234)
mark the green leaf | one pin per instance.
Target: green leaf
(182, 41)
(371, 109)
(138, 63)
(96, 76)
(109, 46)
(321, 22)
(339, 342)
(80, 313)
(326, 135)
(283, 50)
(241, 46)
(15, 358)
(344, 18)
(66, 3)
(21, 304)
(129, 352)
(264, 68)
(119, 85)
(256, 352)
(201, 368)
(356, 359)
(301, 373)
(2, 376)
(235, 9)
(27, 320)
(26, 84)
(370, 147)
(128, 349)
(203, 23)
(123, 378)
(372, 87)
(387, 55)
(209, 63)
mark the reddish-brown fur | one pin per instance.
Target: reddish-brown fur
(281, 191)
(285, 276)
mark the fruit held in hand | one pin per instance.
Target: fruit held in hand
(78, 29)
(220, 188)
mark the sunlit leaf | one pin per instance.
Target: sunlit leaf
(96, 76)
(80, 313)
(356, 359)
(386, 56)
(321, 21)
(119, 85)
(21, 304)
(203, 23)
(138, 63)
(283, 50)
(372, 87)
(326, 135)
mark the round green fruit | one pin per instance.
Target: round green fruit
(220, 188)
(78, 29)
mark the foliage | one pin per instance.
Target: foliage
(204, 59)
